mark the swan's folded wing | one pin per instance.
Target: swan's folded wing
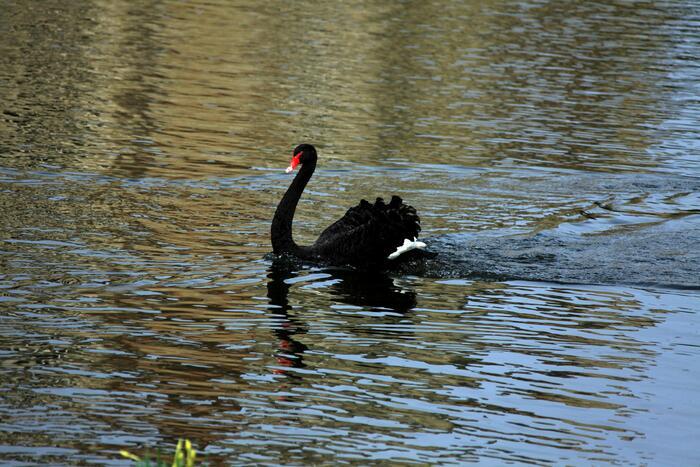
(368, 233)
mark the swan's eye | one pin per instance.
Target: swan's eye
(295, 161)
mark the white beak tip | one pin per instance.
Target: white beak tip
(289, 169)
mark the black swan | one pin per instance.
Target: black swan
(367, 236)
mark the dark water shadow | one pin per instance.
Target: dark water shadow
(374, 291)
(659, 256)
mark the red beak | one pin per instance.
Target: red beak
(295, 161)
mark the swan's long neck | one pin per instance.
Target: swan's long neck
(281, 230)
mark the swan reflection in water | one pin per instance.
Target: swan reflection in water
(373, 291)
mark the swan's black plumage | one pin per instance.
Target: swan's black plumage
(364, 237)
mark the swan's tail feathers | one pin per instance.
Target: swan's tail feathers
(408, 245)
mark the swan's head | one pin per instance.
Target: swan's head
(302, 154)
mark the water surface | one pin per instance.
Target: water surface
(549, 147)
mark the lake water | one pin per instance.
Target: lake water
(550, 148)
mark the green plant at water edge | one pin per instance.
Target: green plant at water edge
(184, 456)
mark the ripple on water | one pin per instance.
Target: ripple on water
(547, 146)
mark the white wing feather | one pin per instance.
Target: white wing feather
(408, 245)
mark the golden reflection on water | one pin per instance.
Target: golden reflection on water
(182, 90)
